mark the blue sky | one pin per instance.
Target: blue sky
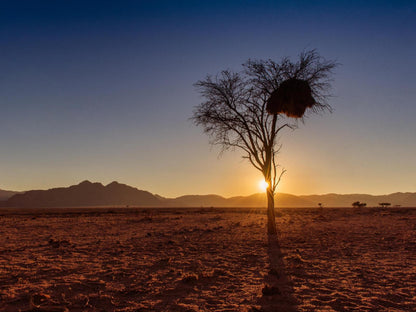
(103, 91)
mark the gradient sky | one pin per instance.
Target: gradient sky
(103, 91)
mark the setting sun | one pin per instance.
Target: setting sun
(263, 185)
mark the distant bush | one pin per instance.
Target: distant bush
(357, 204)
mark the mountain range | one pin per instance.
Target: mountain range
(96, 194)
(4, 195)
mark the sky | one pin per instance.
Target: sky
(103, 91)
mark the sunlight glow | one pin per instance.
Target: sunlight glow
(263, 185)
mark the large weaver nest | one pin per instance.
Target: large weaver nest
(292, 98)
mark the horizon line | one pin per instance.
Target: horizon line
(207, 194)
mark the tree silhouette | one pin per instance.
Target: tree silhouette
(247, 109)
(384, 205)
(357, 204)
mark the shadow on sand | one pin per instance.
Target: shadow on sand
(278, 289)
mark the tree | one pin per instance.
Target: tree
(246, 110)
(357, 204)
(384, 205)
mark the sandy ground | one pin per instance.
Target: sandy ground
(208, 260)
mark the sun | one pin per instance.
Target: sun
(263, 185)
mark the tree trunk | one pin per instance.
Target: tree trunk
(271, 216)
(267, 172)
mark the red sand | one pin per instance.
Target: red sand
(208, 260)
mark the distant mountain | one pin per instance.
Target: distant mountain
(199, 201)
(4, 195)
(116, 194)
(288, 200)
(338, 200)
(85, 194)
(281, 200)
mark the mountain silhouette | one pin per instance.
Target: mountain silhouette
(4, 195)
(87, 194)
(345, 200)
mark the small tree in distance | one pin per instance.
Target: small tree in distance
(245, 110)
(357, 204)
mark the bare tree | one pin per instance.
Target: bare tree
(236, 112)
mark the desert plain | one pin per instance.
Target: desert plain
(207, 259)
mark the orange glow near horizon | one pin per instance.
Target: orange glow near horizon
(263, 185)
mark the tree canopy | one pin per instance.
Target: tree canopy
(246, 110)
(234, 112)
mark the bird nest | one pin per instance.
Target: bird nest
(292, 98)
